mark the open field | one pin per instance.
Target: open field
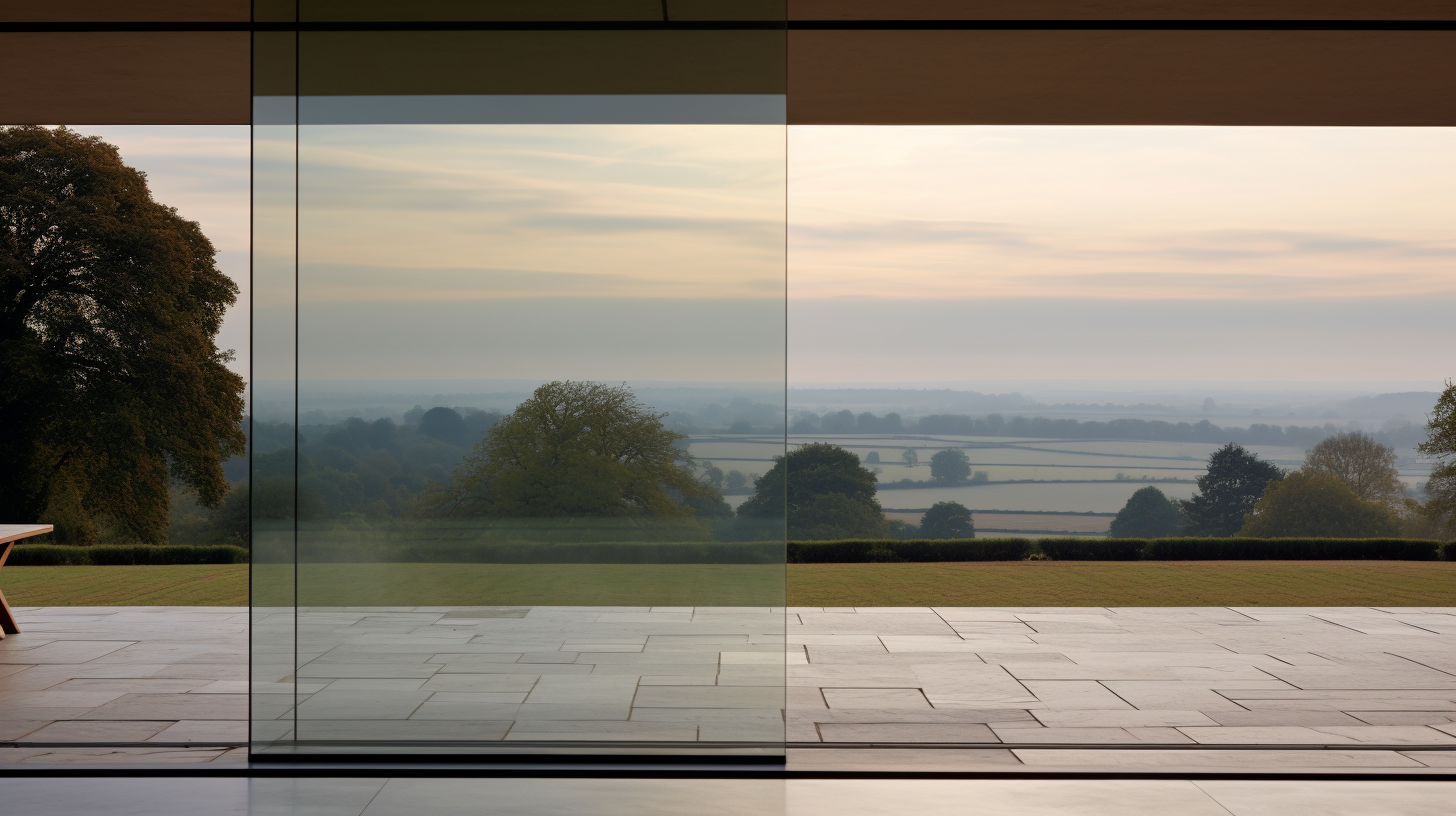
(1098, 497)
(1022, 522)
(175, 585)
(1021, 583)
(1096, 464)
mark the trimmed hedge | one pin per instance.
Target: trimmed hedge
(1121, 549)
(1291, 549)
(535, 552)
(109, 555)
(1093, 549)
(769, 552)
(869, 550)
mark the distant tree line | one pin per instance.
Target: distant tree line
(1349, 487)
(589, 451)
(846, 422)
(1145, 430)
(376, 469)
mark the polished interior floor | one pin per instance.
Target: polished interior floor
(120, 796)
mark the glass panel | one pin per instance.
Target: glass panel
(1169, 290)
(1176, 375)
(539, 336)
(274, 361)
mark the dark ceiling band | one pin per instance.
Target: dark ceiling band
(767, 25)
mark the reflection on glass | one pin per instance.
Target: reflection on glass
(272, 475)
(537, 367)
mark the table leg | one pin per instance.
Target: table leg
(7, 620)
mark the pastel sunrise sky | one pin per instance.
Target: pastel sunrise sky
(966, 254)
(913, 254)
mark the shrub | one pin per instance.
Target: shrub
(531, 552)
(1114, 549)
(1293, 549)
(857, 551)
(1093, 549)
(60, 555)
(1147, 514)
(947, 520)
(1316, 504)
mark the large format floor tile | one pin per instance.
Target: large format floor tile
(1254, 688)
(110, 686)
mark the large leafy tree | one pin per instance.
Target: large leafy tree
(575, 449)
(1363, 464)
(445, 425)
(110, 377)
(947, 520)
(950, 466)
(829, 495)
(1228, 491)
(1147, 514)
(1316, 503)
(1440, 444)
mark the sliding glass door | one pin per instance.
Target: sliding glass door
(540, 349)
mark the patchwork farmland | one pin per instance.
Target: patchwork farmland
(1040, 486)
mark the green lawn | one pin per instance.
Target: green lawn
(1021, 583)
(178, 585)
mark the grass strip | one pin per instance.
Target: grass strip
(152, 585)
(1022, 583)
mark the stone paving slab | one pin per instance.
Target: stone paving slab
(1291, 678)
(1322, 686)
(96, 677)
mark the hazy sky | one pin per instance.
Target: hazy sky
(528, 252)
(1130, 253)
(1118, 213)
(452, 212)
(914, 254)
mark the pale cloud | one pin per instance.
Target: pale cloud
(914, 254)
(831, 236)
(592, 252)
(628, 211)
(911, 259)
(1121, 212)
(1216, 245)
(1100, 254)
(1055, 337)
(348, 283)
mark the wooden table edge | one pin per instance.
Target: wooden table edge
(7, 540)
(27, 530)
